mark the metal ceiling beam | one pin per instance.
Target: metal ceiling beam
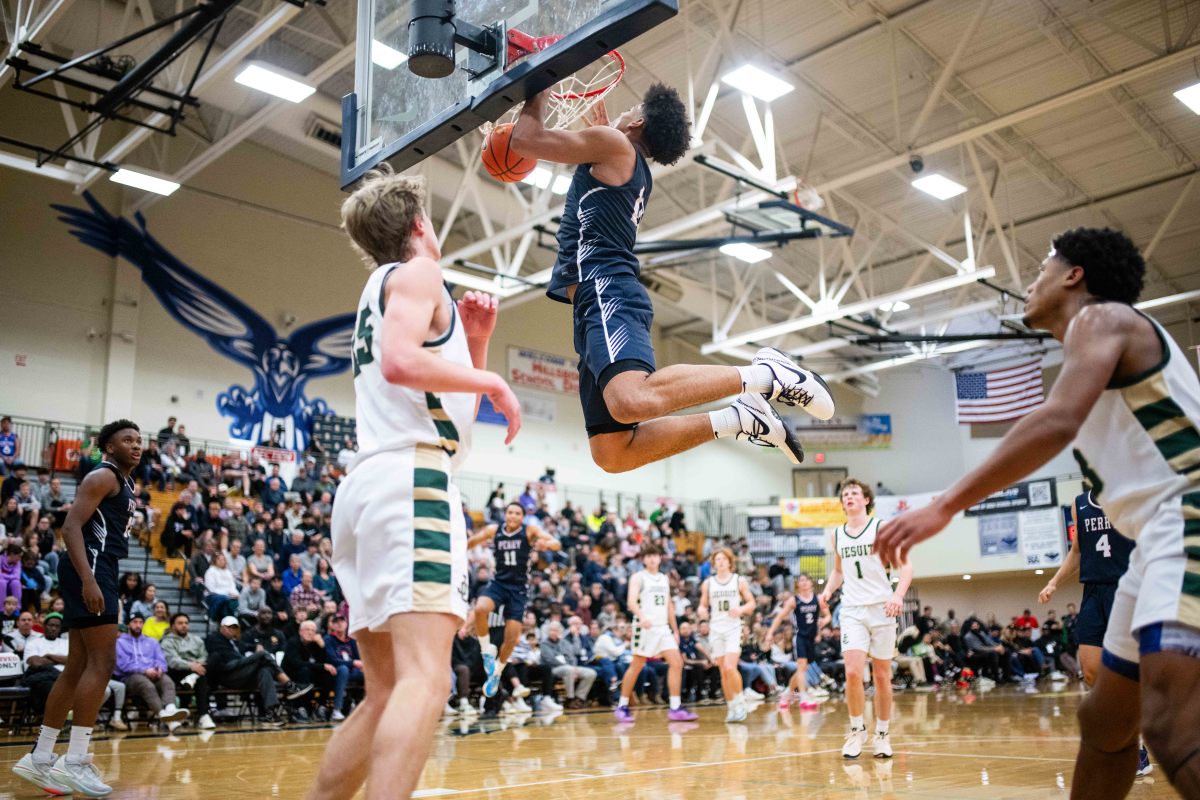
(30, 32)
(948, 69)
(1025, 114)
(232, 57)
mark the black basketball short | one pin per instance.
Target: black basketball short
(805, 648)
(1094, 612)
(105, 566)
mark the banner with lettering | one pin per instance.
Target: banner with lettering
(851, 432)
(546, 372)
(1025, 496)
(811, 512)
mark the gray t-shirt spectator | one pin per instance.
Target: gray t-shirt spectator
(250, 601)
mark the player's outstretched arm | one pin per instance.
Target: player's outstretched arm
(98, 485)
(484, 536)
(412, 295)
(1069, 567)
(1093, 345)
(598, 144)
(542, 540)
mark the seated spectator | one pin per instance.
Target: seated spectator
(47, 546)
(466, 661)
(258, 563)
(21, 633)
(10, 569)
(57, 503)
(230, 666)
(305, 596)
(44, 657)
(199, 469)
(28, 505)
(9, 615)
(157, 625)
(221, 588)
(307, 660)
(142, 667)
(252, 599)
(179, 530)
(198, 566)
(11, 520)
(235, 560)
(172, 464)
(273, 493)
(562, 656)
(983, 652)
(292, 575)
(186, 664)
(10, 446)
(263, 635)
(278, 600)
(130, 589)
(324, 580)
(310, 556)
(343, 654)
(346, 455)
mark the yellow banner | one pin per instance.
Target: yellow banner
(811, 512)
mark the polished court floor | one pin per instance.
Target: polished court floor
(1002, 744)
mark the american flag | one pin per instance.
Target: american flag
(1001, 395)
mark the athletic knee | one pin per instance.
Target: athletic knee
(1105, 729)
(628, 404)
(611, 460)
(1170, 745)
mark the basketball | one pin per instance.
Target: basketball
(501, 161)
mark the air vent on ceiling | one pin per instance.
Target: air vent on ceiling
(324, 131)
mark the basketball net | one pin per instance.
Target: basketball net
(573, 96)
(806, 197)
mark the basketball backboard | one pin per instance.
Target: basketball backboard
(396, 116)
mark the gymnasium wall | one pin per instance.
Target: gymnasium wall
(1005, 595)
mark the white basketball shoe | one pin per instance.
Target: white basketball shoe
(762, 425)
(794, 385)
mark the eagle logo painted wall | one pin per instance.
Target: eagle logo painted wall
(281, 367)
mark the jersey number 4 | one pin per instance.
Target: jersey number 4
(1102, 546)
(364, 335)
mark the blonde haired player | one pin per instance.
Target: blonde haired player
(868, 616)
(399, 543)
(809, 613)
(729, 597)
(655, 634)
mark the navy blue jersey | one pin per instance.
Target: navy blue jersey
(108, 530)
(1103, 551)
(599, 226)
(8, 444)
(512, 556)
(806, 615)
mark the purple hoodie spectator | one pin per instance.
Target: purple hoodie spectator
(136, 654)
(10, 571)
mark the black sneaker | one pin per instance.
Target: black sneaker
(322, 714)
(299, 714)
(276, 717)
(292, 690)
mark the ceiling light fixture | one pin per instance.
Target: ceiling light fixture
(1190, 97)
(744, 251)
(274, 83)
(540, 177)
(144, 181)
(757, 82)
(939, 186)
(386, 57)
(898, 305)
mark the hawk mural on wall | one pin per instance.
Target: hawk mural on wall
(281, 367)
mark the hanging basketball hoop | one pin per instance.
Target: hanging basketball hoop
(575, 95)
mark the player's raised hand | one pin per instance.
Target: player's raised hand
(598, 116)
(899, 535)
(478, 313)
(504, 401)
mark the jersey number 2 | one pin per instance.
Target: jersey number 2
(1102, 546)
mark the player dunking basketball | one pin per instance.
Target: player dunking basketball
(513, 543)
(870, 607)
(625, 399)
(399, 541)
(1129, 399)
(96, 533)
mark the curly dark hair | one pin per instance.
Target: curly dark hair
(666, 131)
(110, 430)
(1113, 269)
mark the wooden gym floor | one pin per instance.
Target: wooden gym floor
(1003, 744)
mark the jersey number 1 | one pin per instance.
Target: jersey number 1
(1102, 546)
(858, 569)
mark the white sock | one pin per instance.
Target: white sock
(45, 743)
(881, 725)
(624, 701)
(725, 423)
(756, 378)
(676, 701)
(857, 724)
(81, 739)
(485, 645)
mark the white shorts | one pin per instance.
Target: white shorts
(399, 538)
(1153, 589)
(723, 641)
(650, 642)
(869, 629)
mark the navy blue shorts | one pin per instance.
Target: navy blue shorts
(510, 597)
(75, 612)
(805, 648)
(612, 335)
(1094, 612)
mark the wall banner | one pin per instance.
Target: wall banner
(852, 432)
(1022, 497)
(546, 372)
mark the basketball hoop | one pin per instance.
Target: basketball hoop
(806, 197)
(575, 95)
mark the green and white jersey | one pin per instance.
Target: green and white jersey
(655, 597)
(393, 417)
(1140, 446)
(721, 598)
(865, 581)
